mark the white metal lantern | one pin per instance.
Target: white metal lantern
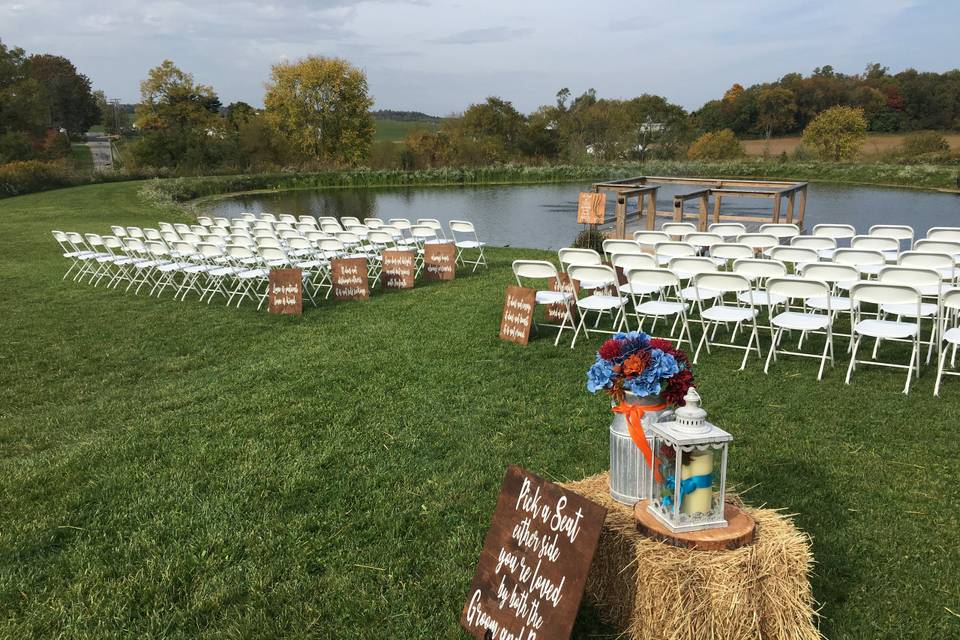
(689, 482)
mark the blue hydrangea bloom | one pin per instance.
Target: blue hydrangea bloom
(599, 376)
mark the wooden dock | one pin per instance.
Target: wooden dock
(636, 202)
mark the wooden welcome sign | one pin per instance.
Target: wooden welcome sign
(557, 311)
(398, 269)
(285, 291)
(439, 260)
(591, 208)
(349, 278)
(517, 314)
(534, 563)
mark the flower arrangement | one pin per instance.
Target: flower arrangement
(642, 365)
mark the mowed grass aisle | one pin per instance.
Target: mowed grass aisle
(180, 470)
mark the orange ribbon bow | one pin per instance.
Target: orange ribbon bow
(634, 416)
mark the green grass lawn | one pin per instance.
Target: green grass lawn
(182, 470)
(398, 130)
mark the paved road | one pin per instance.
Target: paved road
(100, 150)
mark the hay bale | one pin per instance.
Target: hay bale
(649, 589)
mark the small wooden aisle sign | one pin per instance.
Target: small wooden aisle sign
(349, 277)
(439, 260)
(517, 314)
(557, 311)
(591, 208)
(285, 291)
(398, 269)
(534, 563)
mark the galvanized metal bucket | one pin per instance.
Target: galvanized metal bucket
(629, 471)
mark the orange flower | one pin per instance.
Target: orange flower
(635, 364)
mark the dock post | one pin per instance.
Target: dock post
(704, 208)
(652, 210)
(621, 226)
(790, 207)
(776, 208)
(802, 207)
(716, 208)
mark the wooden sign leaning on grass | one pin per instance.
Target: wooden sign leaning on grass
(349, 278)
(398, 269)
(285, 291)
(591, 208)
(517, 317)
(439, 260)
(534, 563)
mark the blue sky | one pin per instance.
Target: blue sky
(438, 57)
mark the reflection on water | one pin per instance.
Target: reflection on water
(544, 216)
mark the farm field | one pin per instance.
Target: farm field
(876, 144)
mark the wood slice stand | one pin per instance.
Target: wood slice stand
(738, 532)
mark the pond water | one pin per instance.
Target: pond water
(544, 216)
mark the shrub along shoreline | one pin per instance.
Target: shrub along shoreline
(182, 192)
(189, 192)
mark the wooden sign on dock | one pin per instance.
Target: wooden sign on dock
(518, 314)
(349, 278)
(285, 291)
(557, 311)
(591, 208)
(534, 563)
(398, 269)
(439, 260)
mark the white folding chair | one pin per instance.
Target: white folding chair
(667, 251)
(951, 336)
(787, 289)
(885, 294)
(678, 229)
(780, 230)
(839, 277)
(625, 261)
(759, 242)
(727, 230)
(722, 313)
(939, 246)
(465, 239)
(867, 262)
(650, 238)
(758, 271)
(839, 233)
(604, 277)
(946, 234)
(889, 247)
(666, 284)
(898, 232)
(538, 270)
(726, 252)
(685, 268)
(824, 246)
(286, 217)
(794, 257)
(929, 283)
(373, 223)
(941, 262)
(612, 246)
(703, 241)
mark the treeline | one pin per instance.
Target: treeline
(907, 101)
(44, 101)
(589, 128)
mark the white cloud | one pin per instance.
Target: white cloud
(439, 57)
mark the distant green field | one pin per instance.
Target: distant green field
(397, 130)
(81, 155)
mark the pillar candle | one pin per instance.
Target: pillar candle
(701, 500)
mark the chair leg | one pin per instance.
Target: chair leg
(940, 361)
(771, 355)
(827, 348)
(853, 358)
(914, 355)
(580, 326)
(703, 340)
